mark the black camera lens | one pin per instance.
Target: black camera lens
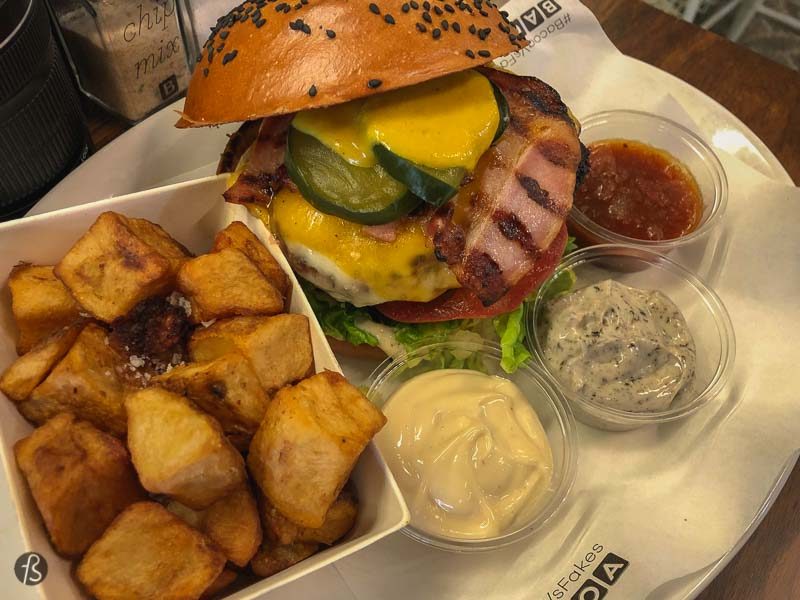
(42, 132)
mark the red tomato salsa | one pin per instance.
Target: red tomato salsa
(639, 191)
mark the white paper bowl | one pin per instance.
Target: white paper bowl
(191, 212)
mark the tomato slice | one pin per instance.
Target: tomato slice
(462, 303)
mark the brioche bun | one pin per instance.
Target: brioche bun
(261, 60)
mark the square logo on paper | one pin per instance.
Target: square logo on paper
(536, 15)
(610, 568)
(168, 87)
(590, 590)
(548, 8)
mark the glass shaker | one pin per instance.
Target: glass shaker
(128, 55)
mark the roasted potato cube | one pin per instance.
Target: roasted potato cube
(86, 383)
(232, 523)
(180, 451)
(118, 263)
(279, 347)
(150, 554)
(80, 478)
(307, 444)
(41, 304)
(225, 580)
(226, 388)
(338, 521)
(237, 235)
(29, 370)
(227, 284)
(273, 558)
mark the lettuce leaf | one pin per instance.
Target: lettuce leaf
(338, 319)
(510, 328)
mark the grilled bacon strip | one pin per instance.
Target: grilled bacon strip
(500, 222)
(265, 173)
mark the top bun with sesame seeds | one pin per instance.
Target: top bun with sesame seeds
(268, 58)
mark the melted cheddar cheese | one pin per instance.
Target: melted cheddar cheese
(445, 122)
(338, 257)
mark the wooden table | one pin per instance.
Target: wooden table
(766, 97)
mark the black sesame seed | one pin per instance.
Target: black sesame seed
(330, 33)
(483, 13)
(229, 57)
(220, 48)
(503, 27)
(199, 58)
(445, 24)
(414, 4)
(484, 53)
(456, 27)
(426, 5)
(298, 6)
(470, 53)
(306, 29)
(374, 8)
(224, 34)
(374, 83)
(294, 25)
(389, 19)
(426, 16)
(437, 33)
(405, 8)
(483, 33)
(205, 72)
(303, 2)
(280, 7)
(472, 28)
(421, 28)
(210, 55)
(439, 12)
(260, 23)
(312, 91)
(449, 8)
(286, 8)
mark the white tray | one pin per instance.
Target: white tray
(154, 153)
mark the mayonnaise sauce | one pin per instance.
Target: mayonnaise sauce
(468, 452)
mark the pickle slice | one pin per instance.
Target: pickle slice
(434, 186)
(505, 114)
(332, 185)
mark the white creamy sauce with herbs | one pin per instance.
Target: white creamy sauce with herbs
(618, 346)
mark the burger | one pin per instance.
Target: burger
(419, 192)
